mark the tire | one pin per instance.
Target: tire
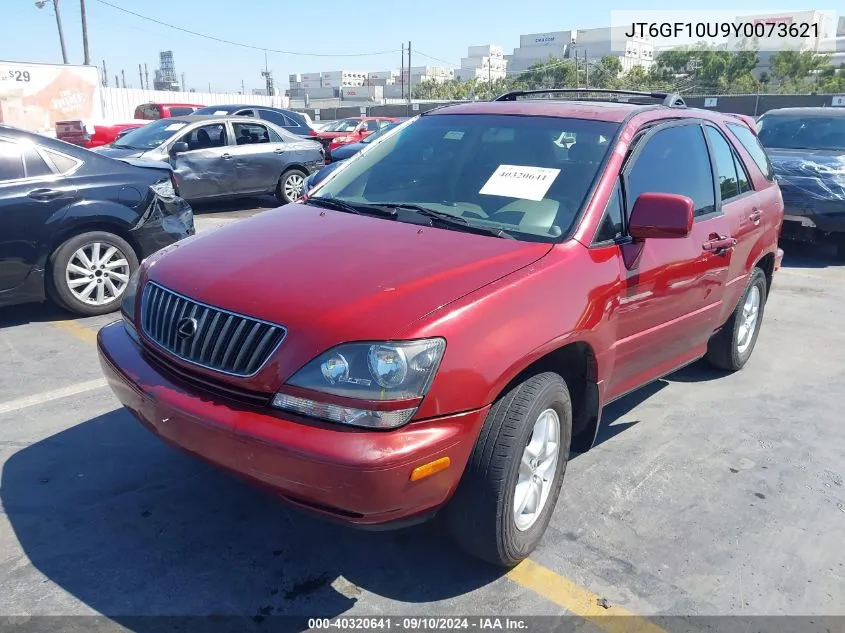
(292, 180)
(729, 348)
(66, 266)
(481, 517)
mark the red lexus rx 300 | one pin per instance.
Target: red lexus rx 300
(442, 319)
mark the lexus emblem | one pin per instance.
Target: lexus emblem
(186, 327)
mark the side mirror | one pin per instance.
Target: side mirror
(661, 215)
(179, 148)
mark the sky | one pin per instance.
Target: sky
(345, 34)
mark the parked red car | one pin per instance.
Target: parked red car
(442, 319)
(87, 134)
(351, 130)
(155, 111)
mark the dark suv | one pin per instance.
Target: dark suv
(292, 121)
(442, 319)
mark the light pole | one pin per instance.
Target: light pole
(41, 4)
(87, 56)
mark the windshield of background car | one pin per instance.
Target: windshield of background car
(497, 171)
(375, 135)
(802, 132)
(345, 125)
(151, 135)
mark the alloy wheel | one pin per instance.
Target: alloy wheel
(748, 320)
(537, 470)
(97, 273)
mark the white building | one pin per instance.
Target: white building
(485, 63)
(343, 78)
(422, 74)
(594, 43)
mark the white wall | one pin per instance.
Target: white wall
(120, 103)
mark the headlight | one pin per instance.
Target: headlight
(164, 188)
(374, 371)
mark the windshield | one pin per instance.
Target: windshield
(151, 135)
(502, 172)
(802, 132)
(372, 137)
(344, 125)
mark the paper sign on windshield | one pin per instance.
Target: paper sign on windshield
(174, 126)
(520, 181)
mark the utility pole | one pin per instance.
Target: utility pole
(86, 55)
(43, 3)
(402, 73)
(105, 75)
(243, 87)
(586, 70)
(183, 83)
(410, 83)
(147, 76)
(141, 76)
(123, 77)
(268, 76)
(116, 81)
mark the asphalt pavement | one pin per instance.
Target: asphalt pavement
(707, 494)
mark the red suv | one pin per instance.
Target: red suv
(441, 320)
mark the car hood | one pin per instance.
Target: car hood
(810, 178)
(118, 152)
(331, 277)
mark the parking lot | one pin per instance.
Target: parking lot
(706, 495)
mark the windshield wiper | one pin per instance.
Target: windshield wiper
(447, 219)
(351, 207)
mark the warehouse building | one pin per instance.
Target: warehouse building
(484, 63)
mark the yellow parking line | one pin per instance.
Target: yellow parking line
(578, 600)
(79, 331)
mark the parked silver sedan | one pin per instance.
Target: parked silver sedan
(224, 156)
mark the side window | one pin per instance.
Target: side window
(742, 175)
(206, 137)
(611, 224)
(274, 117)
(674, 160)
(11, 163)
(725, 165)
(291, 122)
(63, 163)
(250, 133)
(34, 164)
(371, 125)
(275, 138)
(382, 124)
(753, 146)
(246, 113)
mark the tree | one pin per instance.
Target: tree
(796, 67)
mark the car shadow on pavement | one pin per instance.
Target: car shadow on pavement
(131, 527)
(805, 255)
(33, 313)
(234, 205)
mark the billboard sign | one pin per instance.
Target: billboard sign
(35, 96)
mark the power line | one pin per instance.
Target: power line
(242, 45)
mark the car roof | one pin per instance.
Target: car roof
(239, 106)
(807, 111)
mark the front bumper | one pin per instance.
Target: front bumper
(356, 476)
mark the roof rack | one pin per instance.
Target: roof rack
(669, 99)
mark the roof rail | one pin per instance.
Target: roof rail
(669, 99)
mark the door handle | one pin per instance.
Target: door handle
(227, 156)
(45, 195)
(279, 150)
(719, 244)
(755, 215)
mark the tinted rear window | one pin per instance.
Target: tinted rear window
(501, 171)
(752, 145)
(180, 111)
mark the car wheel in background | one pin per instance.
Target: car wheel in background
(290, 186)
(731, 347)
(89, 272)
(511, 484)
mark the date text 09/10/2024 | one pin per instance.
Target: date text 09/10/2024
(417, 624)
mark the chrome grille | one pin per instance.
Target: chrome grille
(223, 341)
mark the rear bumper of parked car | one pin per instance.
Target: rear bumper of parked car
(358, 477)
(171, 221)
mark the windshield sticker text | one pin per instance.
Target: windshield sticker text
(520, 181)
(454, 136)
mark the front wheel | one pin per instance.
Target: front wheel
(89, 273)
(731, 347)
(290, 186)
(508, 492)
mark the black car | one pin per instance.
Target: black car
(291, 121)
(806, 147)
(74, 224)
